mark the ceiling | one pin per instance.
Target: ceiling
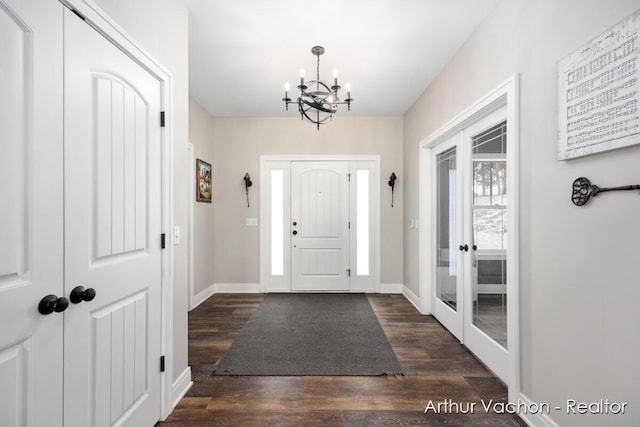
(243, 51)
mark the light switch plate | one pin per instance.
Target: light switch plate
(176, 235)
(252, 222)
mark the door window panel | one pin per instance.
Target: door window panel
(489, 216)
(446, 277)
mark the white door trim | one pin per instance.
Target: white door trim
(191, 157)
(506, 93)
(269, 283)
(102, 23)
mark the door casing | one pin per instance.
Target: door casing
(282, 283)
(505, 94)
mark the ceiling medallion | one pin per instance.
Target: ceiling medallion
(317, 101)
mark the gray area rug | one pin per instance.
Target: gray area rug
(311, 334)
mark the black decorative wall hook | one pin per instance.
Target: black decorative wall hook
(247, 184)
(583, 190)
(392, 184)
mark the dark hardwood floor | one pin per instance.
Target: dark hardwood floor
(436, 368)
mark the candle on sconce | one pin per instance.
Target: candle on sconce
(335, 77)
(348, 88)
(286, 89)
(301, 76)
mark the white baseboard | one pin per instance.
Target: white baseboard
(391, 288)
(237, 288)
(180, 387)
(413, 298)
(535, 419)
(277, 290)
(201, 296)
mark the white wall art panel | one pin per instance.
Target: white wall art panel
(599, 92)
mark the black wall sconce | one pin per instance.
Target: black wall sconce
(392, 184)
(247, 184)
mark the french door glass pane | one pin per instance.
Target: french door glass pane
(446, 253)
(489, 216)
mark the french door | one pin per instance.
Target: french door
(471, 223)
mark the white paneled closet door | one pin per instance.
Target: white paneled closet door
(31, 223)
(320, 226)
(113, 218)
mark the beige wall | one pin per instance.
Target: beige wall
(579, 277)
(201, 136)
(161, 27)
(238, 144)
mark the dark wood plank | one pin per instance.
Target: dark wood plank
(436, 365)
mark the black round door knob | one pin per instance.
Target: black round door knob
(294, 232)
(295, 223)
(464, 248)
(52, 303)
(79, 294)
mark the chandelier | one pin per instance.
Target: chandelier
(317, 101)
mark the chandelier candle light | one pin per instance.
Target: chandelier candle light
(317, 106)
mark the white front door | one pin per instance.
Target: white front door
(31, 223)
(320, 226)
(112, 208)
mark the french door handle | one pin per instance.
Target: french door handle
(52, 303)
(464, 247)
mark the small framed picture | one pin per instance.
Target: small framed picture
(203, 181)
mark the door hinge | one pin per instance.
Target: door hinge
(349, 272)
(161, 119)
(163, 239)
(349, 177)
(162, 364)
(349, 225)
